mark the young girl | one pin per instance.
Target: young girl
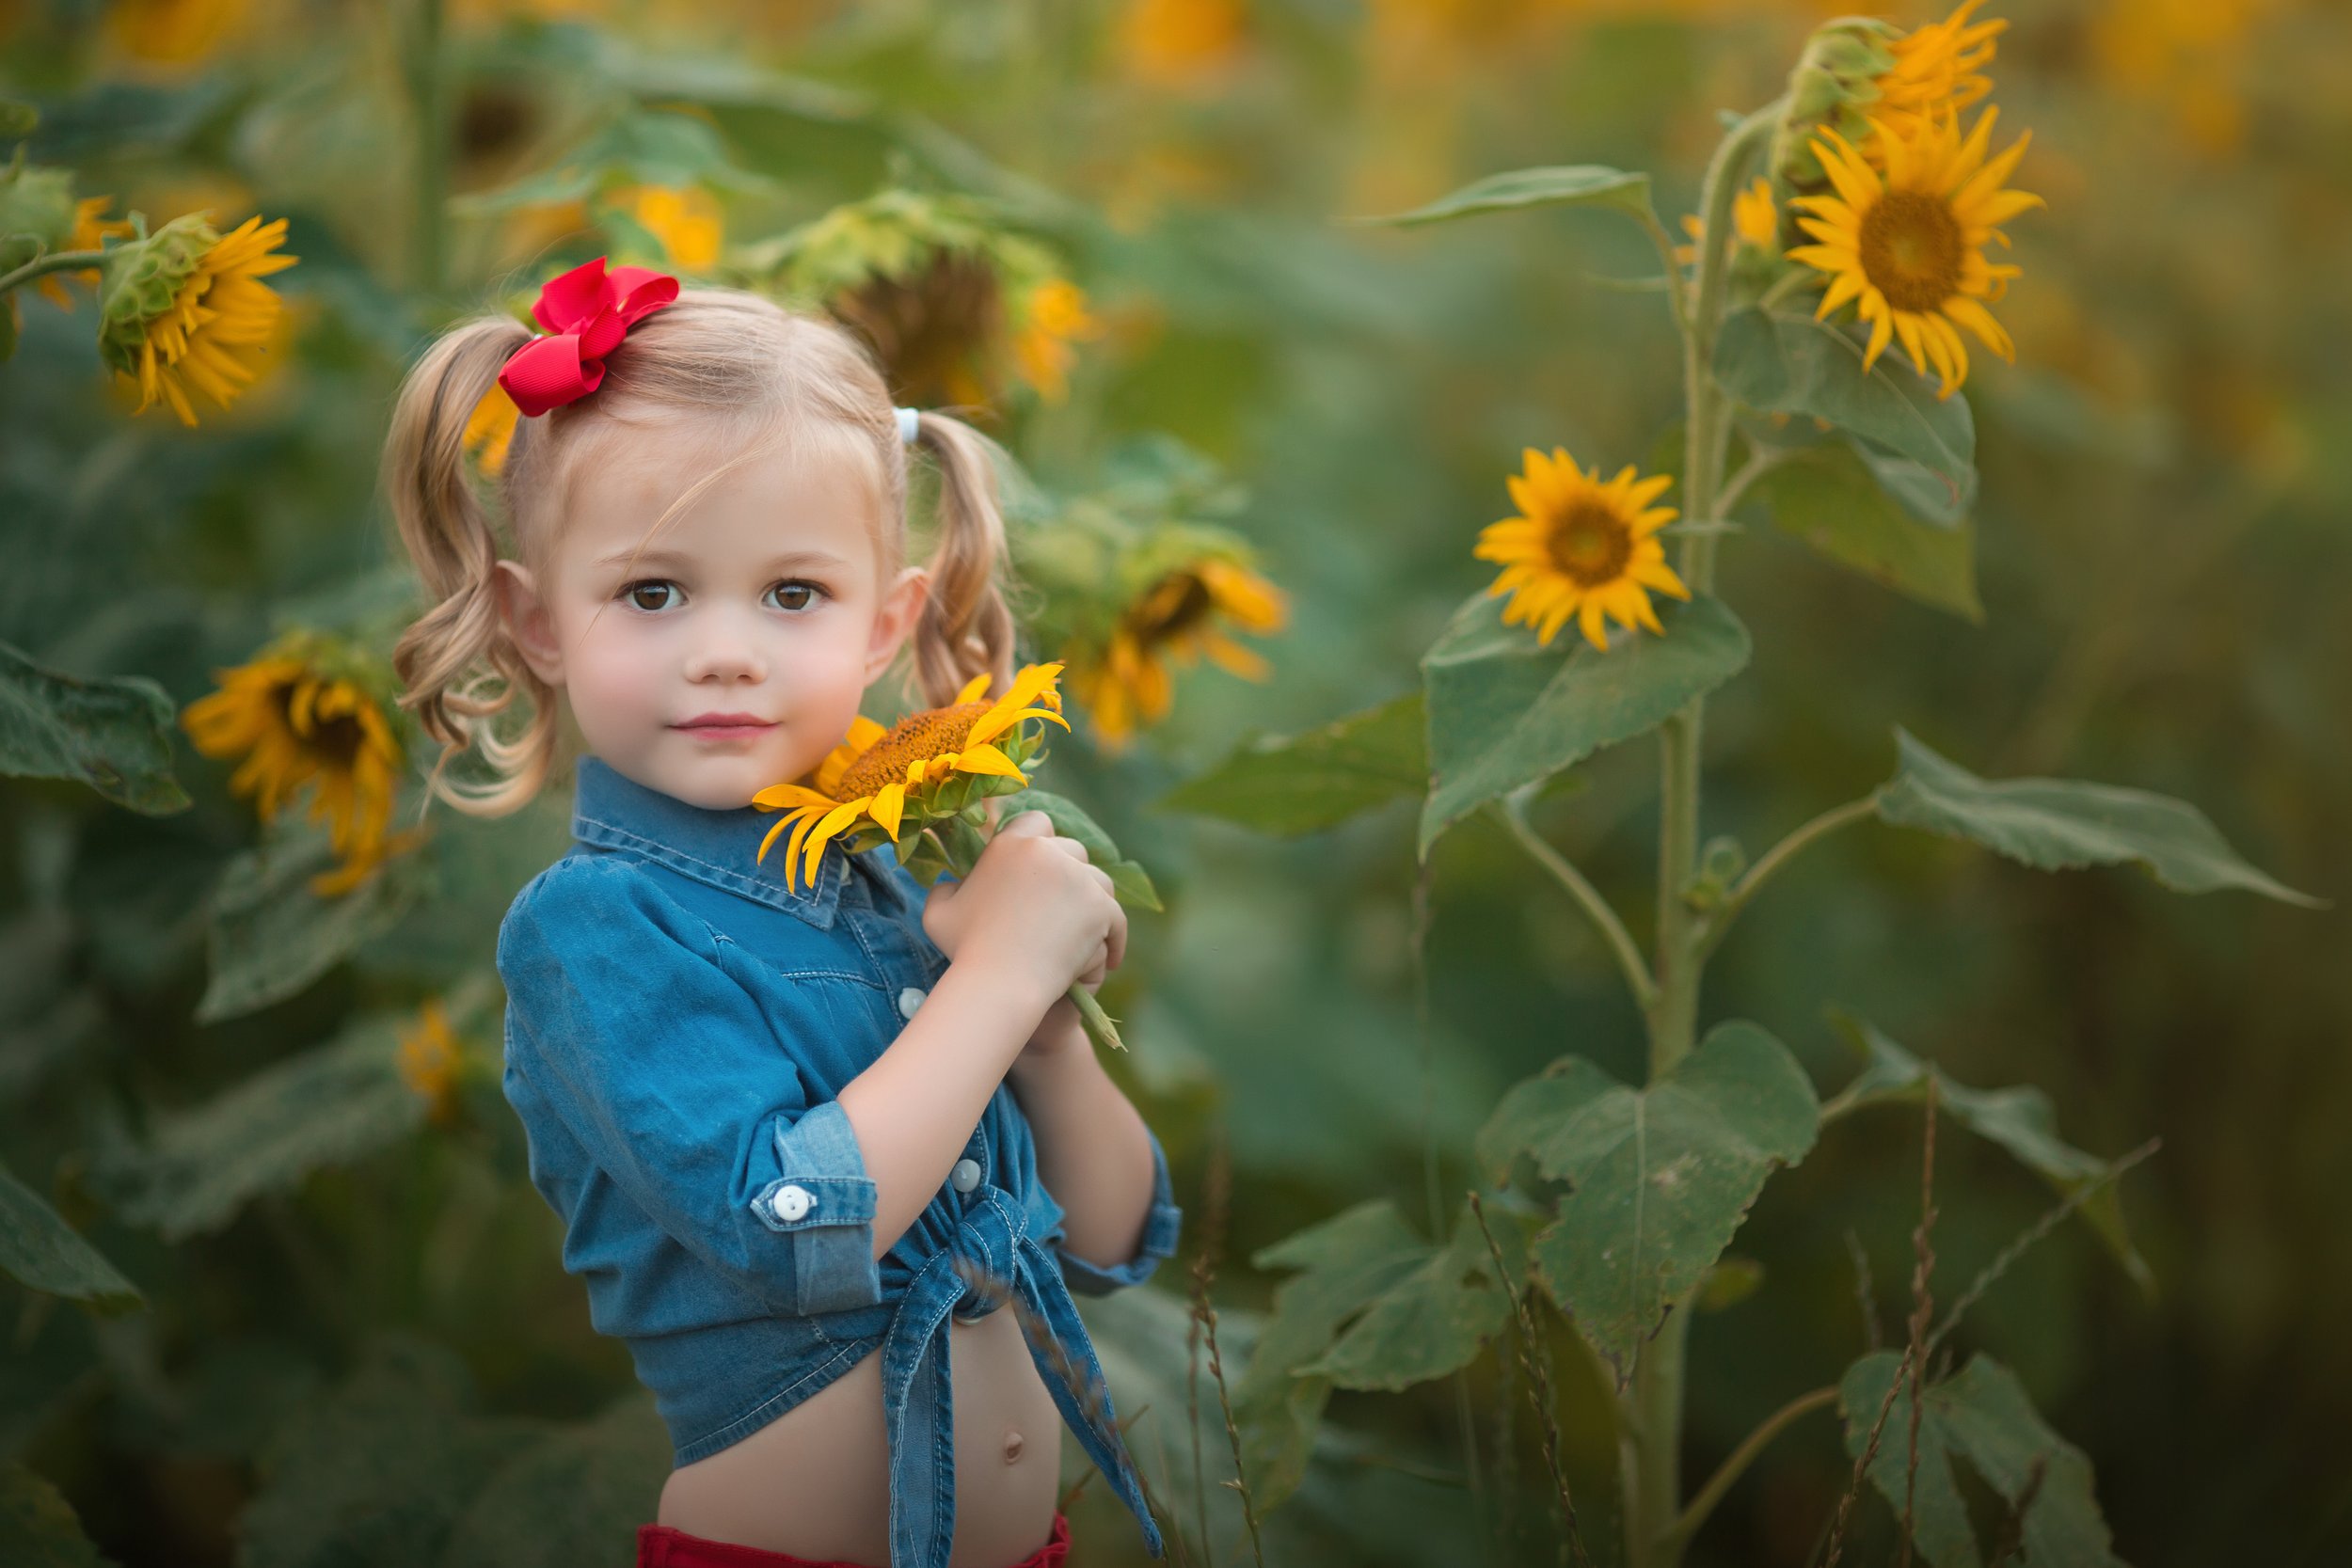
(804, 1139)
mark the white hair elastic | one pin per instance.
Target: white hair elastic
(907, 420)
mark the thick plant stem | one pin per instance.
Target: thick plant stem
(428, 105)
(1653, 1418)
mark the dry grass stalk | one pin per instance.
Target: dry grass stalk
(1922, 1313)
(1538, 1385)
(1219, 1192)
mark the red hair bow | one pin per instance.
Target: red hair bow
(586, 313)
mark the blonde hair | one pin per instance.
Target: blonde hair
(753, 374)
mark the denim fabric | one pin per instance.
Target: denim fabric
(677, 1026)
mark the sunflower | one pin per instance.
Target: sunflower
(1937, 70)
(186, 307)
(1754, 218)
(294, 724)
(490, 428)
(921, 770)
(1179, 40)
(1054, 313)
(687, 220)
(1176, 616)
(1909, 246)
(1581, 547)
(430, 1058)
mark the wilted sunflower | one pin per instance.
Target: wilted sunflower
(1581, 547)
(1177, 616)
(186, 307)
(1909, 247)
(921, 770)
(1938, 69)
(1754, 218)
(294, 724)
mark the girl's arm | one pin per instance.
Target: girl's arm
(1093, 1151)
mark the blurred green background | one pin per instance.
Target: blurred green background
(335, 1352)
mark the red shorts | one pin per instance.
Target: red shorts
(667, 1547)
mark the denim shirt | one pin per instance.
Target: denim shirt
(677, 1027)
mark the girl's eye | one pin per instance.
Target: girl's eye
(665, 593)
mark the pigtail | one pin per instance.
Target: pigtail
(441, 521)
(965, 625)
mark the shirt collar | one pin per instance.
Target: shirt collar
(616, 811)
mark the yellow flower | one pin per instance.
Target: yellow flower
(174, 31)
(187, 308)
(490, 428)
(1176, 40)
(1055, 313)
(917, 771)
(1177, 616)
(1581, 547)
(1938, 69)
(430, 1055)
(688, 221)
(92, 228)
(1909, 247)
(1754, 218)
(295, 724)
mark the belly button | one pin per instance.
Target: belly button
(1012, 1445)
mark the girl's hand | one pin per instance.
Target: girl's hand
(1034, 901)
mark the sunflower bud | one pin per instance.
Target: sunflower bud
(142, 278)
(1834, 83)
(37, 203)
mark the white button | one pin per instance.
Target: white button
(791, 1202)
(911, 999)
(966, 1175)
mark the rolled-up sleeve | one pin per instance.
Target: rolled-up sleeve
(1162, 1225)
(624, 1019)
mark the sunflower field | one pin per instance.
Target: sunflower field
(1705, 629)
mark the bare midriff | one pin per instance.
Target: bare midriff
(816, 1481)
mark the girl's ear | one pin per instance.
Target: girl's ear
(893, 623)
(529, 625)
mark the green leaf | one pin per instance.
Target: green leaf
(1290, 785)
(330, 1104)
(270, 935)
(1918, 490)
(376, 1472)
(1347, 1262)
(112, 734)
(2020, 1119)
(567, 1496)
(1505, 710)
(1436, 1317)
(1561, 185)
(1796, 365)
(641, 148)
(1827, 497)
(40, 1250)
(38, 1526)
(1982, 1418)
(1130, 882)
(2055, 824)
(1660, 1178)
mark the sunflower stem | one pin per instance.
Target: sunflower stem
(56, 260)
(1653, 1407)
(1719, 919)
(1676, 289)
(1510, 810)
(1788, 283)
(428, 99)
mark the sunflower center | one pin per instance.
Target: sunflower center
(1179, 602)
(1589, 543)
(1911, 248)
(918, 738)
(335, 740)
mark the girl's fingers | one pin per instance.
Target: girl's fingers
(1114, 945)
(1030, 823)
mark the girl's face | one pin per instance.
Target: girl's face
(731, 651)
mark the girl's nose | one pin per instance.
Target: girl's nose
(725, 657)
